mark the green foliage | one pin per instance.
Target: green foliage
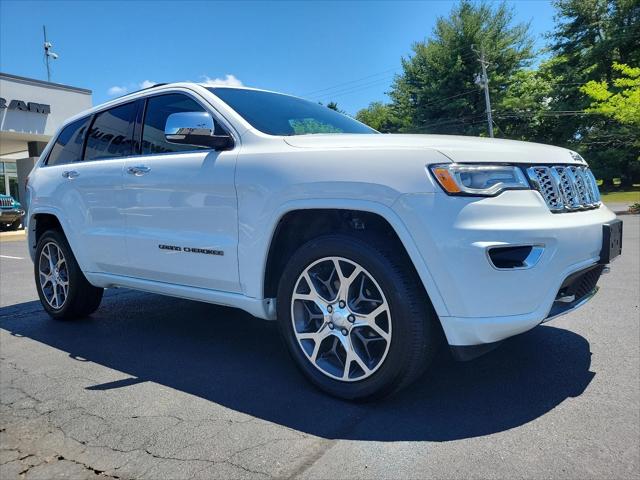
(522, 112)
(584, 95)
(379, 117)
(623, 102)
(437, 91)
(590, 37)
(620, 138)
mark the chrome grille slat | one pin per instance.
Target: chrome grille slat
(584, 186)
(565, 188)
(5, 202)
(584, 196)
(594, 186)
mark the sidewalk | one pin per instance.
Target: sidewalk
(620, 208)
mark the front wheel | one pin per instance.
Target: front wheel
(355, 317)
(63, 289)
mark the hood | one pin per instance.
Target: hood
(458, 148)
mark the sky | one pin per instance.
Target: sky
(347, 52)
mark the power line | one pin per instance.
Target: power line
(549, 113)
(354, 89)
(452, 124)
(504, 114)
(313, 92)
(448, 98)
(445, 121)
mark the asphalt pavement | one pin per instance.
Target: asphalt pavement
(156, 387)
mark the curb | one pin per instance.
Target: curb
(15, 236)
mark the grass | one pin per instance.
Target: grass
(618, 195)
(622, 196)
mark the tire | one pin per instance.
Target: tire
(15, 225)
(81, 298)
(407, 327)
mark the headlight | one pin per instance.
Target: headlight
(483, 180)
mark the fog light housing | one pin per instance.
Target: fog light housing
(514, 257)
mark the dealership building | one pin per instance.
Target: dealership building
(31, 111)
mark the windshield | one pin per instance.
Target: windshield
(277, 114)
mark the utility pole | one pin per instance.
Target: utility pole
(484, 82)
(48, 53)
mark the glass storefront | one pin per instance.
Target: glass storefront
(9, 179)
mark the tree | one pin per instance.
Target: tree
(523, 110)
(621, 104)
(589, 37)
(379, 116)
(437, 91)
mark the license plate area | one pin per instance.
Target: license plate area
(611, 241)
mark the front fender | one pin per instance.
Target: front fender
(255, 243)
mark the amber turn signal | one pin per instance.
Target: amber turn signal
(446, 180)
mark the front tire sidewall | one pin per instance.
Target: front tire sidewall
(394, 367)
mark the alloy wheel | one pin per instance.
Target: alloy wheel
(53, 275)
(341, 319)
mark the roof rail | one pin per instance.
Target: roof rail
(143, 89)
(152, 86)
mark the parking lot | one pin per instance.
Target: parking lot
(155, 387)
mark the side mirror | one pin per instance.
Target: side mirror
(195, 128)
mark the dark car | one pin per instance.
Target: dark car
(11, 213)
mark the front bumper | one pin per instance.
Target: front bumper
(10, 215)
(483, 305)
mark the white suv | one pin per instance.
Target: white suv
(367, 248)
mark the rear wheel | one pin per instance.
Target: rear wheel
(355, 317)
(63, 289)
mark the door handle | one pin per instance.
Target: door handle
(70, 174)
(138, 170)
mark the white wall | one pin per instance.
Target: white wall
(64, 101)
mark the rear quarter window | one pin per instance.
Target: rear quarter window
(68, 146)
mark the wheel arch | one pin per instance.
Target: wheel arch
(39, 222)
(310, 219)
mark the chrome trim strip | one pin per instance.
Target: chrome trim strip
(531, 261)
(571, 308)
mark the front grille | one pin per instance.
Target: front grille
(6, 202)
(565, 188)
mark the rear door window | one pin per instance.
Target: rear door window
(68, 146)
(111, 133)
